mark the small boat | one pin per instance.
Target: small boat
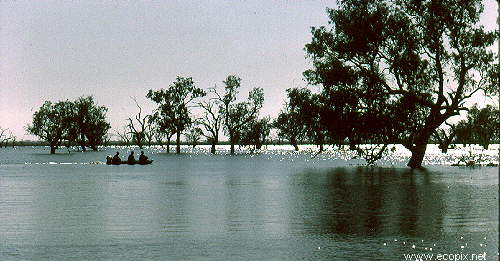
(109, 161)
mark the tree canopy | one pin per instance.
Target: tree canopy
(410, 64)
(173, 105)
(237, 115)
(81, 121)
(91, 122)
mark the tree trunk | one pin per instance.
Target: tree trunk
(215, 140)
(82, 142)
(293, 141)
(178, 143)
(52, 150)
(320, 141)
(231, 141)
(443, 147)
(232, 147)
(212, 149)
(94, 147)
(168, 145)
(417, 155)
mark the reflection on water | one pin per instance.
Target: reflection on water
(245, 207)
(369, 201)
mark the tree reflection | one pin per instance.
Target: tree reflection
(369, 201)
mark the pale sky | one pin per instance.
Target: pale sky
(57, 50)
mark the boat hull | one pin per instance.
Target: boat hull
(124, 162)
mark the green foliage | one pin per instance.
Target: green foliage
(256, 132)
(309, 109)
(480, 127)
(289, 124)
(394, 71)
(194, 135)
(91, 121)
(80, 121)
(172, 113)
(48, 124)
(237, 115)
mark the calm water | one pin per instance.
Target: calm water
(277, 205)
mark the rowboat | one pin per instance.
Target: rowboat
(109, 161)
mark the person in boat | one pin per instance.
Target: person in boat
(143, 158)
(131, 159)
(116, 159)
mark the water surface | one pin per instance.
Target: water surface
(278, 205)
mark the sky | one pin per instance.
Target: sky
(115, 50)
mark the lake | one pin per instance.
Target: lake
(274, 205)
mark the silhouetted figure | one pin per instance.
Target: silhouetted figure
(143, 158)
(131, 159)
(109, 160)
(116, 159)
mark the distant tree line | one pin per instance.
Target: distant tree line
(388, 72)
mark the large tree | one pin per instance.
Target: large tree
(238, 114)
(51, 123)
(91, 122)
(173, 105)
(417, 60)
(82, 122)
(256, 133)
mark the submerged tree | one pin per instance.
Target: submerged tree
(194, 135)
(51, 123)
(124, 135)
(480, 127)
(79, 122)
(6, 136)
(90, 122)
(163, 128)
(428, 55)
(289, 125)
(212, 119)
(309, 107)
(138, 126)
(485, 123)
(173, 105)
(238, 114)
(256, 132)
